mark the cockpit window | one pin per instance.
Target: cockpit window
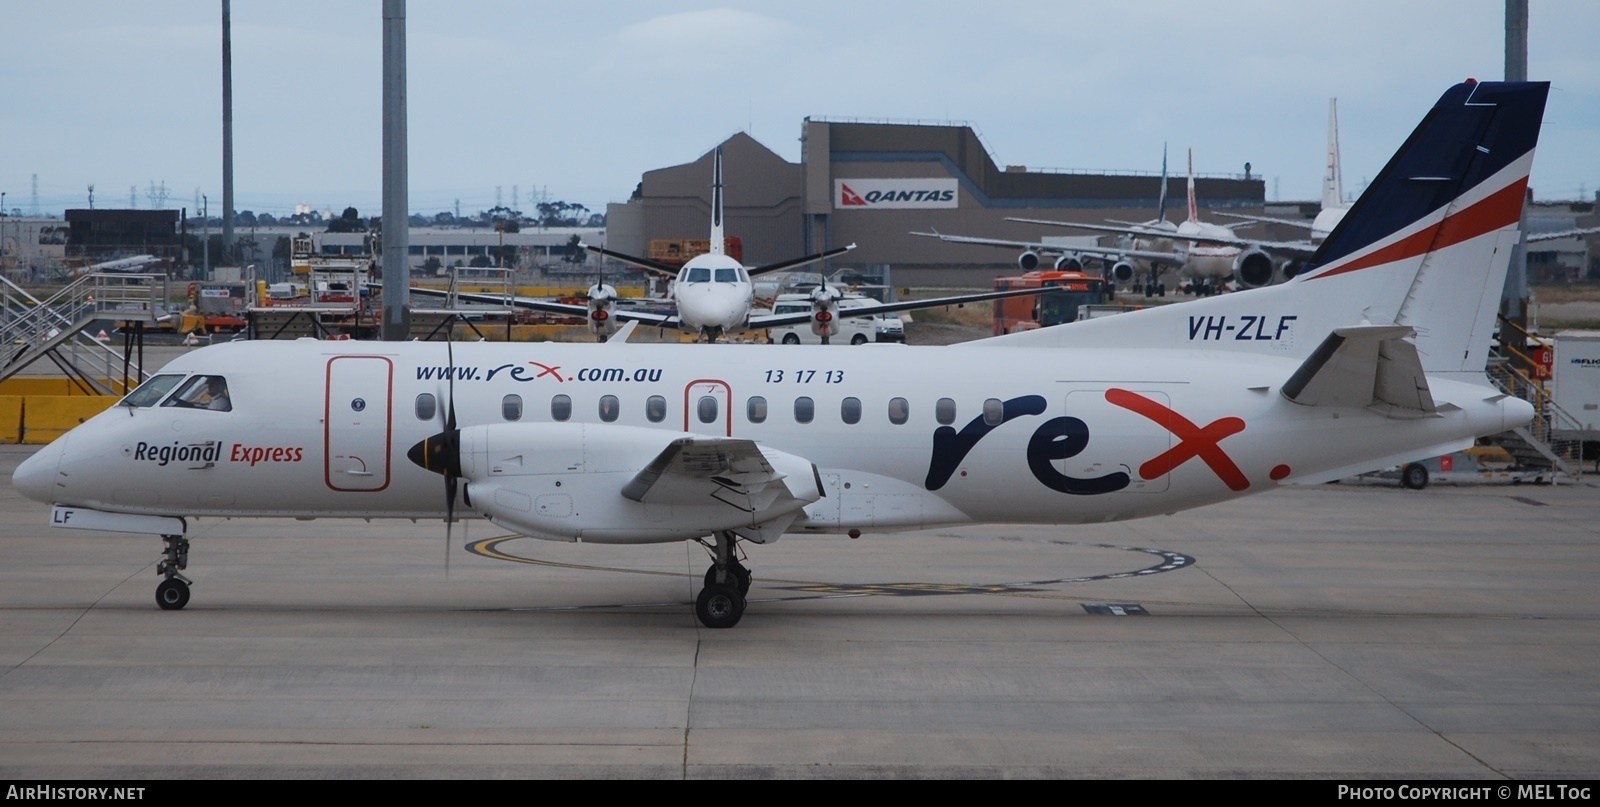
(727, 275)
(699, 274)
(203, 392)
(152, 391)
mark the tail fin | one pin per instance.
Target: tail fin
(1426, 246)
(1194, 210)
(717, 239)
(1332, 181)
(1161, 203)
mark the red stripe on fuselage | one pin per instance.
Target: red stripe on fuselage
(1498, 209)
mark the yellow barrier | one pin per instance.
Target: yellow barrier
(10, 418)
(46, 417)
(47, 385)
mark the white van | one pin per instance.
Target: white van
(852, 330)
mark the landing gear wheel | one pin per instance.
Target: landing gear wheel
(739, 572)
(791, 339)
(1414, 476)
(172, 594)
(719, 606)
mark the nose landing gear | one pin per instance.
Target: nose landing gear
(173, 593)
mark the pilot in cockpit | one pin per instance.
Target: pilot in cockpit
(203, 392)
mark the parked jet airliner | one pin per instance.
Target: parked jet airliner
(1373, 356)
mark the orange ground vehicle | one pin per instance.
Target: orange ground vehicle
(678, 251)
(1073, 289)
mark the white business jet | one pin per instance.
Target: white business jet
(714, 293)
(1373, 356)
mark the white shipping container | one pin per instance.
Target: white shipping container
(1576, 378)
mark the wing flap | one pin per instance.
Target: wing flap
(694, 471)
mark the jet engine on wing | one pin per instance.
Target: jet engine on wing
(1120, 272)
(1253, 269)
(1069, 263)
(1028, 260)
(1289, 268)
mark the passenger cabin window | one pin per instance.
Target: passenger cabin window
(994, 411)
(560, 407)
(609, 408)
(804, 410)
(899, 411)
(152, 391)
(655, 409)
(707, 409)
(511, 407)
(203, 392)
(945, 411)
(427, 406)
(699, 274)
(850, 410)
(755, 409)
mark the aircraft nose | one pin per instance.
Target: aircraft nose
(37, 476)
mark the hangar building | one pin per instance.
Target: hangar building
(873, 184)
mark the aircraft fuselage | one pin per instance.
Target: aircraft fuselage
(900, 437)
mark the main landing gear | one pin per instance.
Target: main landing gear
(173, 593)
(721, 603)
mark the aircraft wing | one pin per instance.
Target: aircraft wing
(550, 306)
(691, 470)
(1304, 225)
(790, 264)
(642, 263)
(1578, 233)
(1296, 249)
(778, 320)
(1097, 253)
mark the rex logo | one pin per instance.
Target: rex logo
(1066, 437)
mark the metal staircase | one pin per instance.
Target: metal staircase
(1547, 442)
(54, 328)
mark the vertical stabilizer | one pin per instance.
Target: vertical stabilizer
(717, 239)
(1333, 181)
(1194, 210)
(1161, 202)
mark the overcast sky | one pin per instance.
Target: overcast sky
(578, 99)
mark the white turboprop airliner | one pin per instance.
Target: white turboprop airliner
(714, 293)
(1373, 356)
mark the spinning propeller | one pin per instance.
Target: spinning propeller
(441, 453)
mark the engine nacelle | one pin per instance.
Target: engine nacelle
(1289, 268)
(825, 312)
(1028, 260)
(1120, 272)
(1069, 263)
(1253, 269)
(602, 302)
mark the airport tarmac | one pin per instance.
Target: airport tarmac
(1337, 632)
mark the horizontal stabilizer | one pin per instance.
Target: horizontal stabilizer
(1366, 366)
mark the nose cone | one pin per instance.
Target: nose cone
(37, 476)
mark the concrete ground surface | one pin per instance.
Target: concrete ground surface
(1341, 632)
